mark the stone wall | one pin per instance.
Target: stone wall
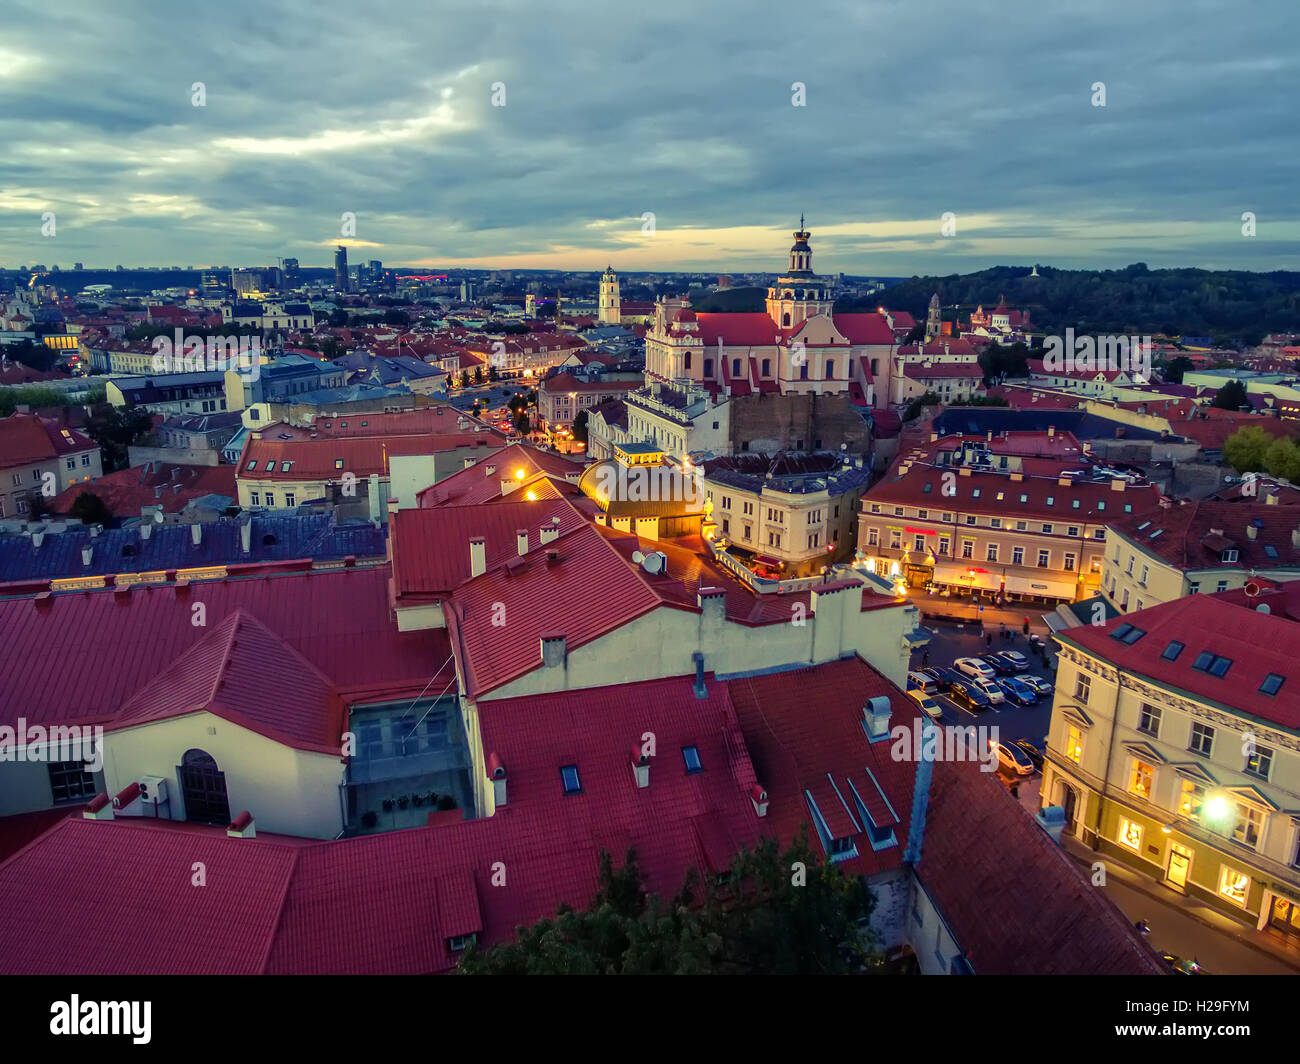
(767, 423)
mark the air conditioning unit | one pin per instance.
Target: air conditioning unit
(153, 790)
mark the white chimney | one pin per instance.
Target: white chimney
(196, 533)
(640, 767)
(477, 556)
(1051, 818)
(497, 774)
(521, 538)
(146, 529)
(242, 827)
(246, 535)
(548, 534)
(38, 538)
(759, 797)
(86, 554)
(553, 649)
(876, 713)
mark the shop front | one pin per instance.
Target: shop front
(1042, 586)
(968, 579)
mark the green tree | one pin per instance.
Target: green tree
(90, 508)
(478, 374)
(464, 378)
(117, 431)
(1175, 368)
(1245, 449)
(522, 425)
(493, 373)
(1282, 459)
(580, 427)
(1232, 396)
(777, 912)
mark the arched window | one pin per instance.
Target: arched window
(785, 319)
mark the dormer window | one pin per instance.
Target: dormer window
(459, 943)
(1229, 555)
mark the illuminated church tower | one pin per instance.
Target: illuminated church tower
(610, 304)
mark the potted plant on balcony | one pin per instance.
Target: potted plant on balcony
(417, 800)
(403, 801)
(388, 805)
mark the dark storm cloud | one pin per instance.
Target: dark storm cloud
(913, 109)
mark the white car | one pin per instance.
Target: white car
(974, 668)
(990, 690)
(928, 705)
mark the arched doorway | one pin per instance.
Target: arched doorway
(203, 788)
(1068, 799)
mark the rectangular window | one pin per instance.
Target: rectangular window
(895, 539)
(873, 537)
(1234, 885)
(1130, 834)
(993, 552)
(691, 755)
(1202, 740)
(943, 544)
(1069, 563)
(1249, 822)
(569, 778)
(1082, 687)
(70, 782)
(918, 544)
(1260, 763)
(995, 522)
(288, 498)
(270, 498)
(1272, 684)
(968, 548)
(1172, 651)
(1146, 571)
(1018, 556)
(1047, 530)
(1074, 744)
(1141, 778)
(1149, 719)
(1191, 796)
(1044, 559)
(252, 498)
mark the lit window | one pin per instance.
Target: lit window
(1190, 799)
(1074, 744)
(1130, 834)
(1140, 781)
(1234, 885)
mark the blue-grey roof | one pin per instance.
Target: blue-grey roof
(978, 420)
(275, 537)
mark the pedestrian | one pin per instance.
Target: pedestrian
(925, 658)
(1026, 626)
(988, 639)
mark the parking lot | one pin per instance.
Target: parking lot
(952, 641)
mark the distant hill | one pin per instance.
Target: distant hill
(1226, 305)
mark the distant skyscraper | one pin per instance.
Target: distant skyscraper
(466, 292)
(341, 268)
(290, 271)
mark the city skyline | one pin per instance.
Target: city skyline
(458, 140)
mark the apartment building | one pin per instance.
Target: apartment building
(562, 397)
(1190, 548)
(1174, 747)
(787, 515)
(1020, 516)
(40, 457)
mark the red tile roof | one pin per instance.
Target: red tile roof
(794, 751)
(438, 420)
(1179, 534)
(474, 485)
(127, 491)
(862, 329)
(1257, 644)
(319, 459)
(246, 674)
(1017, 902)
(125, 637)
(29, 438)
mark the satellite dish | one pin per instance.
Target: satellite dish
(158, 517)
(638, 557)
(1263, 607)
(654, 563)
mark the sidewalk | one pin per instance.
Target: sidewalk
(946, 607)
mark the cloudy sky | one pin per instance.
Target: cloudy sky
(912, 108)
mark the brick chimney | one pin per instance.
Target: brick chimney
(242, 827)
(758, 796)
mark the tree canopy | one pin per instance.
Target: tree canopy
(1253, 450)
(777, 912)
(1232, 396)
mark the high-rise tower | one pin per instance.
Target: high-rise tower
(341, 268)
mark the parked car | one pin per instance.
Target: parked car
(967, 696)
(927, 704)
(1030, 751)
(1040, 686)
(998, 663)
(945, 678)
(974, 668)
(1020, 694)
(1182, 966)
(922, 682)
(1012, 758)
(1017, 660)
(990, 690)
